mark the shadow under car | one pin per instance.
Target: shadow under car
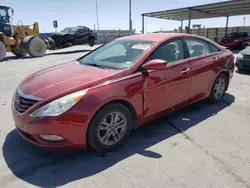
(51, 169)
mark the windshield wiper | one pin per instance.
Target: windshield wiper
(96, 65)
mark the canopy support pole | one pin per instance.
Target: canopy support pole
(226, 26)
(189, 20)
(142, 24)
(181, 25)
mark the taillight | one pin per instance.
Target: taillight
(232, 58)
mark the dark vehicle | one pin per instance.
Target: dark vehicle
(235, 40)
(73, 36)
(243, 59)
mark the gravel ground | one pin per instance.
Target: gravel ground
(202, 145)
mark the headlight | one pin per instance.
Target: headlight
(59, 106)
(240, 56)
(236, 40)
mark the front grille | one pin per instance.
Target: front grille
(22, 104)
(245, 66)
(246, 56)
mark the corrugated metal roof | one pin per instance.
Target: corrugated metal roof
(222, 9)
(4, 6)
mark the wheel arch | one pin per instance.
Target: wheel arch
(127, 104)
(227, 74)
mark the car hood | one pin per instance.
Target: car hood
(65, 78)
(228, 39)
(59, 34)
(246, 51)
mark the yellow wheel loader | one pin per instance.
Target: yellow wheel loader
(20, 39)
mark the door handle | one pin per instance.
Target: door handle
(216, 59)
(186, 70)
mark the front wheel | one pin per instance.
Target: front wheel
(35, 46)
(109, 127)
(219, 88)
(19, 52)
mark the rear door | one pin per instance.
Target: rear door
(203, 58)
(82, 35)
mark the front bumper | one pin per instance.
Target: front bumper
(71, 125)
(242, 63)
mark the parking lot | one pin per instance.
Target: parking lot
(203, 145)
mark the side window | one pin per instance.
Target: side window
(249, 34)
(197, 47)
(214, 48)
(84, 31)
(81, 31)
(78, 31)
(244, 35)
(171, 51)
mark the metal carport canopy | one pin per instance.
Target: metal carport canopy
(222, 9)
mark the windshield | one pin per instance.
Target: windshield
(234, 35)
(69, 30)
(4, 17)
(119, 54)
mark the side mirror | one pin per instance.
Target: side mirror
(11, 12)
(155, 64)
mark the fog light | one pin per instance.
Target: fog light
(51, 137)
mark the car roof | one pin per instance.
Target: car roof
(156, 37)
(76, 27)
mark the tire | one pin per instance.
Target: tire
(67, 45)
(96, 133)
(219, 88)
(35, 46)
(73, 42)
(19, 53)
(2, 51)
(52, 43)
(91, 42)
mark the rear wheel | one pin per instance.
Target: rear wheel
(91, 42)
(109, 127)
(219, 88)
(2, 51)
(35, 46)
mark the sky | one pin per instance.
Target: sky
(113, 14)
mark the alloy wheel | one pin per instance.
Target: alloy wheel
(219, 88)
(112, 128)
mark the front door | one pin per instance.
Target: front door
(166, 89)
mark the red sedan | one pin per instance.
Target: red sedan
(98, 99)
(236, 40)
